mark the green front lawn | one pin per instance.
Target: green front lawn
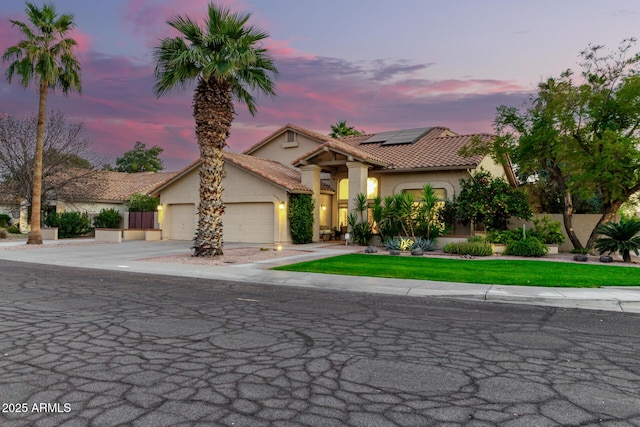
(498, 272)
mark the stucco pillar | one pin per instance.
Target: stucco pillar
(311, 179)
(358, 175)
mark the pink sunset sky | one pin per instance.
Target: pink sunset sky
(380, 65)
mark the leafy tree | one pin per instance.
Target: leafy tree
(67, 160)
(491, 201)
(140, 159)
(341, 129)
(45, 56)
(622, 237)
(583, 134)
(226, 59)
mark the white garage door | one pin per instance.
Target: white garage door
(248, 222)
(183, 221)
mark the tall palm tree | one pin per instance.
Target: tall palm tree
(226, 59)
(45, 56)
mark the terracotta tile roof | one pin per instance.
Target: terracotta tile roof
(310, 133)
(432, 151)
(115, 186)
(343, 148)
(98, 185)
(284, 176)
(270, 170)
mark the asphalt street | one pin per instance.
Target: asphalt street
(107, 348)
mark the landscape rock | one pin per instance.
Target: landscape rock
(394, 252)
(417, 252)
(371, 250)
(580, 258)
(606, 258)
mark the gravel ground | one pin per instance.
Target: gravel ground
(230, 256)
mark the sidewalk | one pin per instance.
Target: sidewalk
(127, 256)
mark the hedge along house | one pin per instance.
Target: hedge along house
(294, 160)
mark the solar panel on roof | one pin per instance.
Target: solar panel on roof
(407, 136)
(380, 137)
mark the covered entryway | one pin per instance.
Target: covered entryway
(248, 222)
(182, 221)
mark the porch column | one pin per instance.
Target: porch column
(311, 179)
(358, 174)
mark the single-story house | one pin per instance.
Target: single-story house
(258, 182)
(90, 193)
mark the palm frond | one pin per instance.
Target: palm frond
(225, 48)
(45, 53)
(622, 237)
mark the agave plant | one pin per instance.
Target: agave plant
(620, 238)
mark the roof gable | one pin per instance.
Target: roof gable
(274, 172)
(315, 136)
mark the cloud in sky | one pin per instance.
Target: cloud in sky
(118, 106)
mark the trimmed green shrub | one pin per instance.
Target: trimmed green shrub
(107, 218)
(504, 236)
(528, 247)
(5, 220)
(142, 203)
(70, 224)
(13, 229)
(548, 231)
(468, 248)
(477, 239)
(301, 218)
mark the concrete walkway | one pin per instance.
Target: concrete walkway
(127, 256)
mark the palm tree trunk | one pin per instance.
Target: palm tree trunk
(35, 236)
(213, 112)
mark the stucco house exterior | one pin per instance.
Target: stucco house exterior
(91, 193)
(258, 182)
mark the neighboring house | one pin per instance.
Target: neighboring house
(9, 204)
(94, 192)
(257, 183)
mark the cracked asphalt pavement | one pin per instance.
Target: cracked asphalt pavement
(102, 348)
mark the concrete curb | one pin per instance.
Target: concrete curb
(86, 253)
